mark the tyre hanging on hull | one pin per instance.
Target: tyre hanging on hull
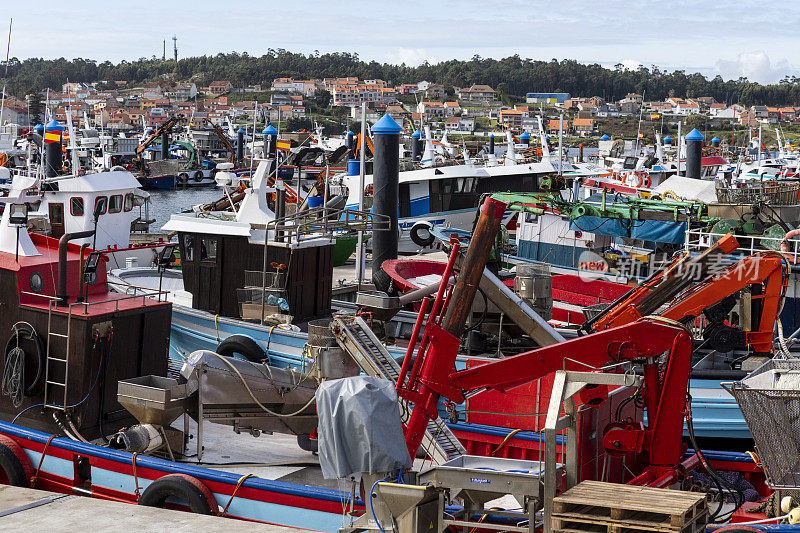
(15, 467)
(244, 346)
(182, 487)
(421, 234)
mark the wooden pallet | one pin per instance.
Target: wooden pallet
(593, 506)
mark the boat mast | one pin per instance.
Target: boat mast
(5, 76)
(360, 252)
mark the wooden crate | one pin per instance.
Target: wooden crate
(594, 506)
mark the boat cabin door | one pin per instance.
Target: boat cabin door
(56, 212)
(209, 274)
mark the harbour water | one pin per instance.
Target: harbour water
(164, 203)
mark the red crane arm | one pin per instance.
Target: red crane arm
(767, 268)
(641, 341)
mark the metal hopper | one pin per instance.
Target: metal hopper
(154, 399)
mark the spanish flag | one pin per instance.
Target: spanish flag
(654, 116)
(283, 145)
(641, 135)
(52, 136)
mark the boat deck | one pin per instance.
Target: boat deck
(276, 457)
(24, 509)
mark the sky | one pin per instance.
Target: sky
(732, 38)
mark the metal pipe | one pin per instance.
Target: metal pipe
(62, 263)
(518, 310)
(412, 343)
(480, 246)
(84, 246)
(437, 306)
(419, 294)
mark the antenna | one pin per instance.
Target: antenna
(164, 53)
(175, 46)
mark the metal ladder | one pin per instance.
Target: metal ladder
(48, 381)
(356, 338)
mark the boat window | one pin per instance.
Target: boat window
(115, 204)
(101, 205)
(208, 250)
(56, 214)
(76, 206)
(459, 185)
(36, 282)
(129, 201)
(188, 247)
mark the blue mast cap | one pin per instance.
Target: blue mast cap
(605, 137)
(270, 130)
(715, 140)
(39, 127)
(54, 126)
(525, 136)
(416, 135)
(694, 135)
(240, 130)
(386, 126)
(667, 139)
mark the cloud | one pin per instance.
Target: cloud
(410, 56)
(756, 66)
(627, 64)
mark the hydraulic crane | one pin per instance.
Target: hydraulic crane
(689, 287)
(433, 373)
(166, 126)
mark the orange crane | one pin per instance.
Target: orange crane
(689, 288)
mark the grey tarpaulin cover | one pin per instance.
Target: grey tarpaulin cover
(359, 427)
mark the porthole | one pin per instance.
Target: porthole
(36, 282)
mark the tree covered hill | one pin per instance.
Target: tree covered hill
(512, 75)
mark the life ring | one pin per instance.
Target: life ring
(15, 467)
(244, 346)
(185, 488)
(3, 159)
(785, 247)
(184, 178)
(198, 176)
(421, 234)
(634, 179)
(14, 341)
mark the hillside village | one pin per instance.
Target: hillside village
(473, 110)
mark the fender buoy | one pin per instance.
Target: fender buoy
(244, 346)
(198, 176)
(22, 331)
(184, 177)
(421, 234)
(670, 195)
(785, 247)
(185, 488)
(15, 467)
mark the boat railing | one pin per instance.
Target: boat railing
(324, 222)
(146, 293)
(699, 240)
(770, 192)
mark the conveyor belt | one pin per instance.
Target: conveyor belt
(357, 339)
